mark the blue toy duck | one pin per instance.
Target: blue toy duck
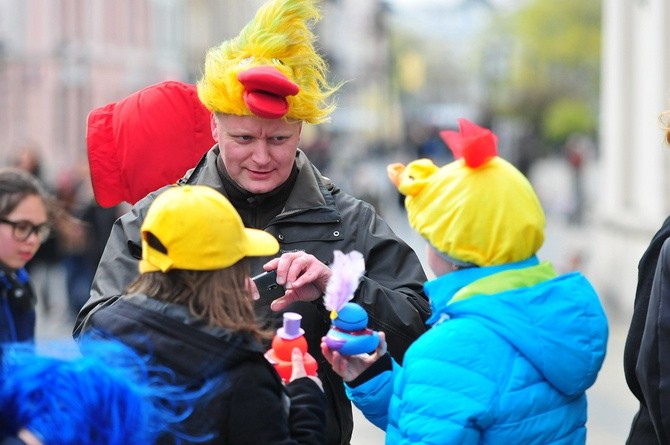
(348, 334)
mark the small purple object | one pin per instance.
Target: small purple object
(291, 328)
(334, 343)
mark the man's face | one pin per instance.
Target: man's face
(258, 153)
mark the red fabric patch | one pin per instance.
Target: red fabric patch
(146, 141)
(475, 144)
(265, 91)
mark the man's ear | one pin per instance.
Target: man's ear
(212, 124)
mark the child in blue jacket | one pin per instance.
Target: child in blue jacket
(513, 346)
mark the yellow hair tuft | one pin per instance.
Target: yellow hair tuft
(279, 35)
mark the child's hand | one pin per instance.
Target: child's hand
(351, 366)
(298, 368)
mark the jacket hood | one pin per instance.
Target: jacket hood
(145, 141)
(160, 329)
(559, 325)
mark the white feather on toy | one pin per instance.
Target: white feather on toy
(347, 272)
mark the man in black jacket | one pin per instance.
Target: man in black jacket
(260, 95)
(642, 359)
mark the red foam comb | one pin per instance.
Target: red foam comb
(475, 144)
(265, 91)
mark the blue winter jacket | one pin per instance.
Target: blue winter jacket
(511, 353)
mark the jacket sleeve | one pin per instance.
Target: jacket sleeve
(442, 394)
(653, 364)
(391, 291)
(646, 268)
(119, 262)
(307, 415)
(259, 412)
(373, 396)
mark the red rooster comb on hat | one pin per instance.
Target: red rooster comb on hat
(475, 144)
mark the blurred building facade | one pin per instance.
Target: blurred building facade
(59, 59)
(633, 188)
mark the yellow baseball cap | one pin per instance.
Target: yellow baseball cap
(194, 227)
(478, 209)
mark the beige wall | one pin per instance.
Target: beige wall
(633, 190)
(62, 58)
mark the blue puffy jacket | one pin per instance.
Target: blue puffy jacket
(508, 360)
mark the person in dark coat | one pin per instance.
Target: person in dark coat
(645, 360)
(260, 95)
(191, 310)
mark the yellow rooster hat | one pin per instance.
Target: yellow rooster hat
(478, 209)
(271, 69)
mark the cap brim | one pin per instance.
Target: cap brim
(260, 243)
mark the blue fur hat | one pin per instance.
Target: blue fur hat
(105, 394)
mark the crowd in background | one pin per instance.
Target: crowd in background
(63, 268)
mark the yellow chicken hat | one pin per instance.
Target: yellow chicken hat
(271, 69)
(478, 209)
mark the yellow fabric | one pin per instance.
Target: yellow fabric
(488, 215)
(280, 36)
(507, 280)
(201, 230)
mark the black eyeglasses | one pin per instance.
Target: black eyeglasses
(21, 230)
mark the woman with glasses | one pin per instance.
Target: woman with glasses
(24, 224)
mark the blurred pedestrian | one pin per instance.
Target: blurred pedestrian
(192, 310)
(433, 147)
(28, 158)
(261, 86)
(513, 346)
(646, 357)
(318, 149)
(82, 232)
(25, 223)
(45, 268)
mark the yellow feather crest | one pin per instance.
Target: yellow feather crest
(279, 35)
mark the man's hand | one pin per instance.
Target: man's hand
(304, 277)
(351, 366)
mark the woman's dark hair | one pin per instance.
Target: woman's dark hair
(17, 184)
